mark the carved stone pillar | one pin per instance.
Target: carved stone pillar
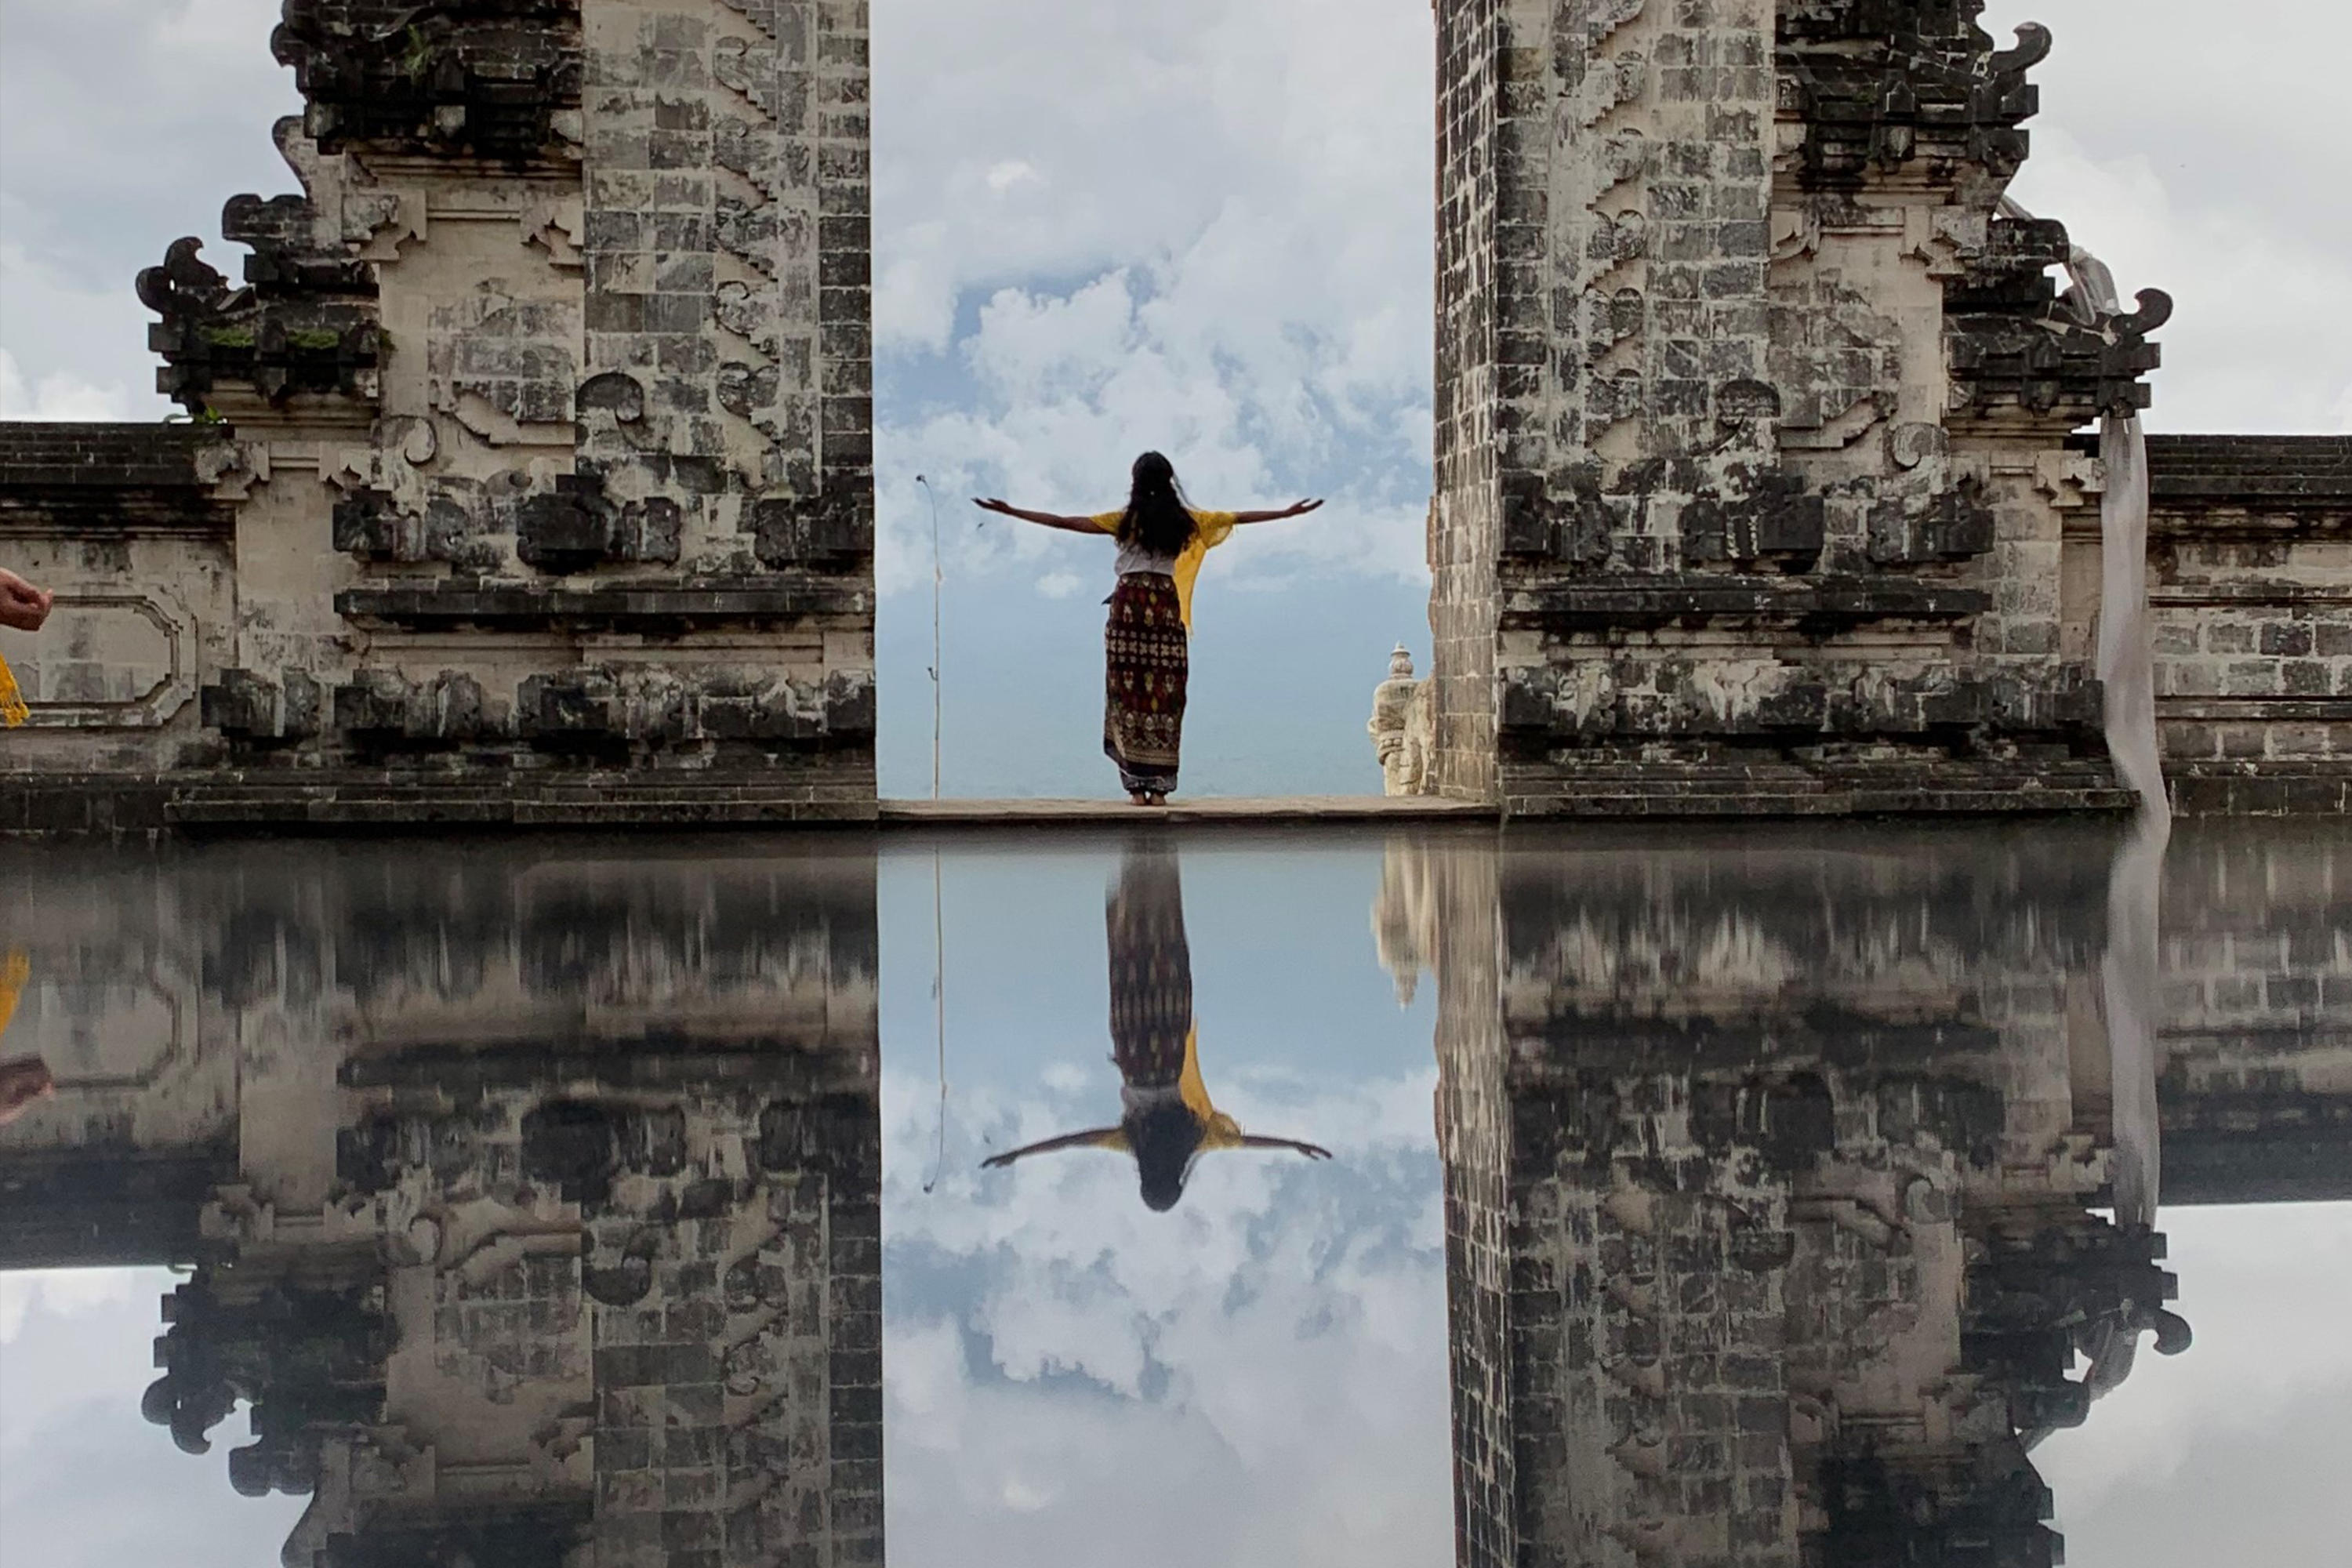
(1752, 409)
(1769, 1206)
(535, 1210)
(544, 419)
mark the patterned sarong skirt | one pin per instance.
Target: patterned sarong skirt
(1151, 971)
(1146, 658)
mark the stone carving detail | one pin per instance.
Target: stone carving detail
(563, 345)
(1769, 369)
(211, 334)
(1882, 84)
(1770, 1233)
(475, 1267)
(1402, 728)
(494, 78)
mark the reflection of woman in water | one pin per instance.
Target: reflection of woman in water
(1166, 1120)
(26, 1079)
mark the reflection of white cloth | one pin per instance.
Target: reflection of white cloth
(2128, 976)
(2125, 665)
(2126, 670)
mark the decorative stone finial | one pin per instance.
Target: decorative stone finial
(1402, 728)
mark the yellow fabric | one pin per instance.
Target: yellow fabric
(12, 710)
(1218, 1131)
(1209, 529)
(15, 970)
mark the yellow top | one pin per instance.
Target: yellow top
(15, 970)
(1209, 529)
(12, 710)
(1218, 1131)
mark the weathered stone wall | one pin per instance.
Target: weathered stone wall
(539, 1204)
(546, 449)
(1478, 239)
(2256, 1047)
(2249, 584)
(1794, 1191)
(1754, 403)
(1439, 911)
(124, 521)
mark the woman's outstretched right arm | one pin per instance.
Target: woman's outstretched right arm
(1093, 1138)
(1043, 518)
(22, 606)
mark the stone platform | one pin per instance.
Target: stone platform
(154, 806)
(1300, 808)
(362, 800)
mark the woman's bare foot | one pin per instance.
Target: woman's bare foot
(1158, 797)
(1136, 797)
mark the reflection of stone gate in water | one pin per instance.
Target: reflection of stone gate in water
(535, 1209)
(1770, 1181)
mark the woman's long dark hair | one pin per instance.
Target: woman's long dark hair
(1156, 517)
(1164, 1139)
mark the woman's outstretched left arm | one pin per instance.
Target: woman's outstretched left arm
(1312, 1151)
(1043, 518)
(1295, 509)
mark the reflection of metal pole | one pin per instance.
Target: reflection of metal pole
(938, 577)
(939, 1004)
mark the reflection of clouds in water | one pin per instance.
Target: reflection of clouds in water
(1067, 1368)
(67, 1292)
(2255, 1281)
(84, 1482)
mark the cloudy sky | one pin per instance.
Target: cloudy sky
(1201, 225)
(1255, 1377)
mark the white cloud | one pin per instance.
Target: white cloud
(1060, 585)
(1211, 238)
(58, 396)
(2257, 342)
(85, 1481)
(61, 1292)
(1264, 1343)
(2186, 157)
(123, 125)
(1013, 172)
(2191, 1436)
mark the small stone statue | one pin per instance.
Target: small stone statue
(1400, 728)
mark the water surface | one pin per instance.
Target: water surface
(1689, 1196)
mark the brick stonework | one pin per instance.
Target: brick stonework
(2250, 582)
(534, 1206)
(543, 460)
(2257, 1046)
(1769, 1186)
(1752, 409)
